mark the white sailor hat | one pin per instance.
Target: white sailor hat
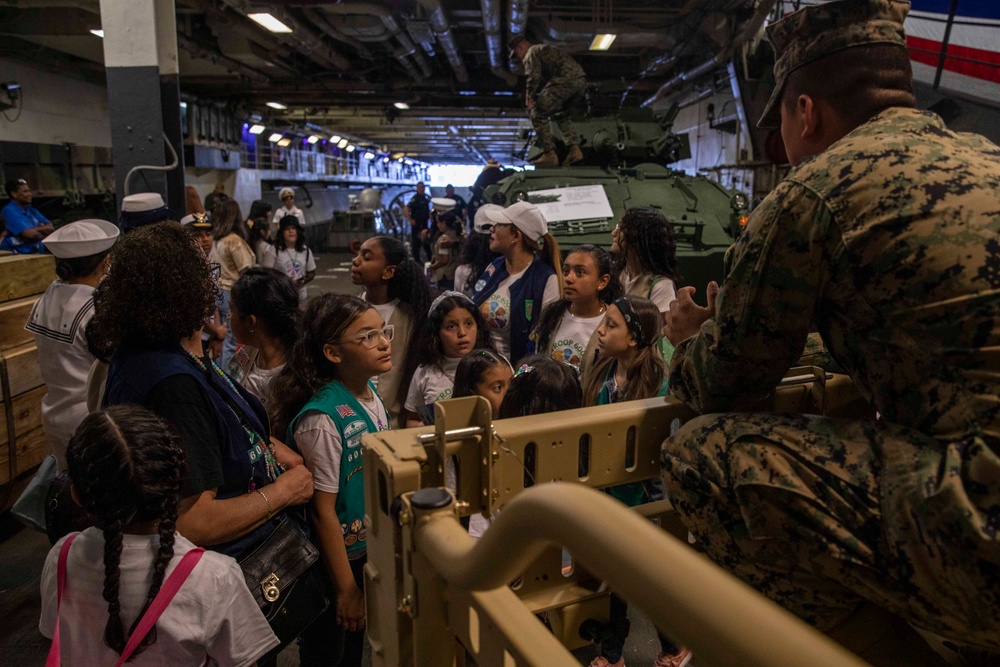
(142, 201)
(482, 224)
(525, 216)
(82, 238)
(286, 193)
(443, 204)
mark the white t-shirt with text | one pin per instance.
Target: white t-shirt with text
(496, 309)
(431, 383)
(569, 342)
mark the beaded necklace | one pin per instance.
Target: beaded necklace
(274, 468)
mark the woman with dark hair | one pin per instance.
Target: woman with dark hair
(397, 288)
(127, 468)
(259, 229)
(264, 314)
(290, 254)
(646, 256)
(234, 256)
(514, 289)
(476, 253)
(59, 323)
(152, 317)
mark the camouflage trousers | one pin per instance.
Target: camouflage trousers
(555, 101)
(824, 516)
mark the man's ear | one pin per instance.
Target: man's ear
(332, 353)
(810, 116)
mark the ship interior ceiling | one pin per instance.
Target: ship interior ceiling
(347, 67)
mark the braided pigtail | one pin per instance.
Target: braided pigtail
(114, 633)
(127, 467)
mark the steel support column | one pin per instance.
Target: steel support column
(170, 98)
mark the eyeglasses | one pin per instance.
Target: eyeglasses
(370, 338)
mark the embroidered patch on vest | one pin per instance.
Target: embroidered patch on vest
(345, 411)
(528, 305)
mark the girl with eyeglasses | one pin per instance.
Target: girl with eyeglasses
(326, 403)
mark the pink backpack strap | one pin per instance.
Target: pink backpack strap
(54, 656)
(161, 601)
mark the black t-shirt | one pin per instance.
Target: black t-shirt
(181, 401)
(420, 209)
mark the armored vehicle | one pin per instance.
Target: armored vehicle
(624, 166)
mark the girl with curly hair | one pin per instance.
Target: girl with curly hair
(150, 310)
(325, 397)
(234, 256)
(126, 467)
(396, 286)
(453, 328)
(646, 256)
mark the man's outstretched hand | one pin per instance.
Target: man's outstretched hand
(685, 317)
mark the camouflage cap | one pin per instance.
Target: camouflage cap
(817, 31)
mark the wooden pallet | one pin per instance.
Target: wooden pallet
(23, 446)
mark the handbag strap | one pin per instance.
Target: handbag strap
(160, 602)
(156, 608)
(54, 655)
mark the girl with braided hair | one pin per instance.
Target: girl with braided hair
(127, 467)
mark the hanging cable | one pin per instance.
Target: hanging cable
(148, 167)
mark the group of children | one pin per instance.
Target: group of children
(530, 334)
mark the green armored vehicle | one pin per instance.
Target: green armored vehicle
(582, 204)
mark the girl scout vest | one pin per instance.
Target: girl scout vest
(352, 422)
(525, 299)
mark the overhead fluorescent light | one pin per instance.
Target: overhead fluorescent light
(342, 143)
(269, 22)
(313, 138)
(257, 128)
(350, 148)
(284, 142)
(97, 32)
(277, 105)
(408, 162)
(401, 105)
(385, 160)
(275, 137)
(334, 139)
(369, 155)
(602, 42)
(184, 105)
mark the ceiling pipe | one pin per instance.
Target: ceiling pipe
(751, 28)
(302, 37)
(318, 19)
(517, 21)
(494, 40)
(439, 23)
(393, 29)
(196, 49)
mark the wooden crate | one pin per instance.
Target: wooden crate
(23, 372)
(13, 317)
(31, 444)
(25, 275)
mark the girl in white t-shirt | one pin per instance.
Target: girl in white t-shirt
(290, 254)
(126, 467)
(567, 329)
(453, 328)
(263, 315)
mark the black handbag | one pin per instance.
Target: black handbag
(285, 576)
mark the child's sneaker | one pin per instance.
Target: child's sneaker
(678, 660)
(601, 661)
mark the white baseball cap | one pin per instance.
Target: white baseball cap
(481, 224)
(524, 215)
(82, 238)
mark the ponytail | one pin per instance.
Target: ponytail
(548, 251)
(408, 283)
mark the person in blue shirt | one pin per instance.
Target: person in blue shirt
(26, 226)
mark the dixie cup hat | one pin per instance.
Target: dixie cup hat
(443, 204)
(525, 216)
(82, 238)
(143, 208)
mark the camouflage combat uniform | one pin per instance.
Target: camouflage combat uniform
(889, 243)
(555, 82)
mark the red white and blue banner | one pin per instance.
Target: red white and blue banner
(974, 42)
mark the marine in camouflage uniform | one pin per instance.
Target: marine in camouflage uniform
(555, 83)
(888, 242)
